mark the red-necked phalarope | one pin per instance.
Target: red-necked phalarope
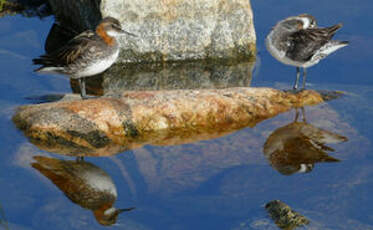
(85, 55)
(297, 41)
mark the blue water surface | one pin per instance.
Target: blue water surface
(221, 183)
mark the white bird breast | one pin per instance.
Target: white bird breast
(99, 66)
(278, 54)
(100, 182)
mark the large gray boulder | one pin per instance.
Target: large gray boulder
(169, 30)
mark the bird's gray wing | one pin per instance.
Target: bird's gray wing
(303, 44)
(75, 48)
(69, 53)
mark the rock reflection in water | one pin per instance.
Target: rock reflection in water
(297, 146)
(169, 76)
(84, 184)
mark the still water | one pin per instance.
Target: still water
(221, 183)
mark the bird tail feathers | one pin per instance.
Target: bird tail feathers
(48, 69)
(333, 29)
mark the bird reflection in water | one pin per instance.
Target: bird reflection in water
(296, 147)
(84, 184)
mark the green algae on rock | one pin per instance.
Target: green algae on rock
(284, 217)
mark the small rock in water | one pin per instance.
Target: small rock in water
(284, 216)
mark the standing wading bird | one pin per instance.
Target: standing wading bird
(87, 54)
(297, 41)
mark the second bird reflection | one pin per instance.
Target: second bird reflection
(296, 147)
(84, 184)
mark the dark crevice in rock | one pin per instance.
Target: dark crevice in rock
(96, 138)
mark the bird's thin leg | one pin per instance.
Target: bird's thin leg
(304, 114)
(82, 88)
(80, 159)
(295, 87)
(296, 115)
(304, 78)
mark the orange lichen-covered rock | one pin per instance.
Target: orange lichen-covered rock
(108, 125)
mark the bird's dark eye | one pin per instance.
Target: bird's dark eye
(293, 23)
(117, 27)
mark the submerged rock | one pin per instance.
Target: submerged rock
(27, 8)
(108, 125)
(284, 217)
(169, 30)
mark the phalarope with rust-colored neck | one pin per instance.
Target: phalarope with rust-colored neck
(85, 55)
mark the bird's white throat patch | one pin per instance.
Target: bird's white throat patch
(109, 211)
(306, 22)
(113, 33)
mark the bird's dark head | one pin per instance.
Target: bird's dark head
(109, 216)
(308, 21)
(112, 27)
(290, 169)
(295, 23)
